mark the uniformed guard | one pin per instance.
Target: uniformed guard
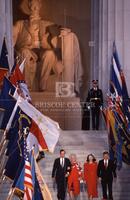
(95, 97)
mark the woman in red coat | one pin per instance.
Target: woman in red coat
(74, 178)
(90, 176)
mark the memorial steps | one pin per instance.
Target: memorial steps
(81, 143)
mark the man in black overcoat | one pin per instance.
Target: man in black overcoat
(106, 171)
(61, 166)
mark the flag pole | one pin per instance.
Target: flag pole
(2, 181)
(3, 159)
(3, 145)
(10, 194)
(3, 139)
(44, 188)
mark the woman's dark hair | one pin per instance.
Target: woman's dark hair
(94, 159)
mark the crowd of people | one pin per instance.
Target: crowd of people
(68, 174)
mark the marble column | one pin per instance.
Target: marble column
(6, 27)
(94, 43)
(126, 43)
(113, 16)
(2, 21)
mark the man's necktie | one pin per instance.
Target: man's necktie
(62, 162)
(106, 164)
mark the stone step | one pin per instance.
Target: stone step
(82, 143)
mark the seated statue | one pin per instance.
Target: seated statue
(40, 43)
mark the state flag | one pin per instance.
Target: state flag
(15, 138)
(7, 102)
(42, 127)
(17, 79)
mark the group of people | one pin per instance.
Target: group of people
(68, 173)
(94, 102)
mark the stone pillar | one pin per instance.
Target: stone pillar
(126, 43)
(94, 43)
(114, 25)
(6, 27)
(2, 21)
(9, 25)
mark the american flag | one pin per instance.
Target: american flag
(28, 181)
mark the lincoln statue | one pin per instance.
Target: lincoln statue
(40, 43)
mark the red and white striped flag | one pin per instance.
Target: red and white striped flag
(28, 181)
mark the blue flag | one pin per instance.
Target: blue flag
(15, 147)
(117, 78)
(7, 102)
(19, 182)
(37, 191)
(118, 147)
(118, 89)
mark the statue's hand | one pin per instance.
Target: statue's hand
(28, 54)
(44, 41)
(56, 42)
(64, 31)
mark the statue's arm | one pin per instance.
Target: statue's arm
(51, 39)
(16, 31)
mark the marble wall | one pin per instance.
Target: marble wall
(114, 19)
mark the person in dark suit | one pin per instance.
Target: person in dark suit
(95, 97)
(61, 166)
(86, 117)
(106, 171)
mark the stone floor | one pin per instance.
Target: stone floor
(82, 143)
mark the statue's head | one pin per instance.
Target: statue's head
(31, 6)
(34, 6)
